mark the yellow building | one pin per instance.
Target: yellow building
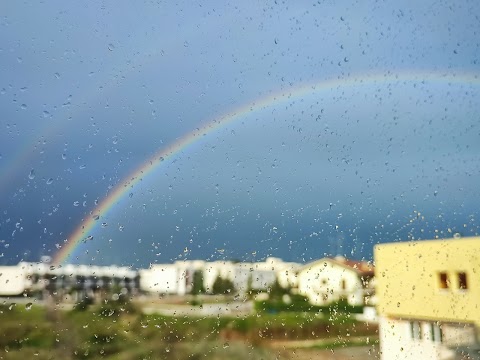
(428, 298)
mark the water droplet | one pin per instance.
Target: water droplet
(49, 181)
(111, 47)
(130, 195)
(81, 167)
(76, 203)
(120, 228)
(23, 106)
(19, 60)
(28, 306)
(64, 156)
(96, 217)
(104, 225)
(226, 345)
(46, 114)
(89, 237)
(57, 75)
(31, 175)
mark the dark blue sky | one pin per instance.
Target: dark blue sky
(88, 92)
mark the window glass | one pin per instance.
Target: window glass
(444, 282)
(238, 180)
(462, 281)
(416, 330)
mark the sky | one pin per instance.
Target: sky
(91, 91)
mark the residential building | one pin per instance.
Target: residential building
(13, 280)
(177, 278)
(429, 298)
(160, 278)
(164, 279)
(74, 281)
(332, 279)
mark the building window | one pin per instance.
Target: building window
(436, 332)
(462, 281)
(415, 330)
(443, 280)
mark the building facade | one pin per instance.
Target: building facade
(177, 278)
(429, 298)
(333, 279)
(69, 281)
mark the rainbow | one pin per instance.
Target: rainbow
(84, 229)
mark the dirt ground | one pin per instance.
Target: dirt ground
(356, 352)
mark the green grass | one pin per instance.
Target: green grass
(128, 334)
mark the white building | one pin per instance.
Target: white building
(213, 270)
(174, 279)
(161, 279)
(329, 280)
(177, 278)
(13, 280)
(79, 279)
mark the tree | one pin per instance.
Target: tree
(197, 284)
(222, 286)
(276, 291)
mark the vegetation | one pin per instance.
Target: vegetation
(222, 286)
(197, 283)
(99, 332)
(299, 303)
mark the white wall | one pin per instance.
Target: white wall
(287, 276)
(321, 282)
(13, 280)
(161, 279)
(224, 269)
(396, 342)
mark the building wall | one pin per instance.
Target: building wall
(398, 342)
(161, 279)
(409, 284)
(287, 276)
(13, 280)
(212, 270)
(324, 281)
(174, 278)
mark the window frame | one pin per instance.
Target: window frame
(443, 284)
